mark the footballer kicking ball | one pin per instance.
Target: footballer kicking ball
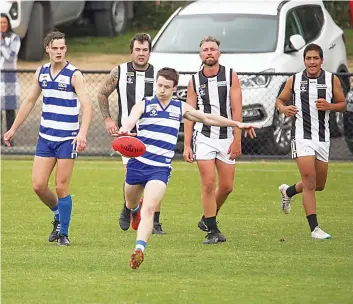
(129, 146)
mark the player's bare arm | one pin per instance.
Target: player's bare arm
(188, 125)
(135, 114)
(339, 104)
(25, 108)
(286, 93)
(104, 92)
(79, 83)
(191, 99)
(236, 107)
(190, 113)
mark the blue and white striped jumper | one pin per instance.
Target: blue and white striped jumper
(9, 88)
(158, 129)
(61, 108)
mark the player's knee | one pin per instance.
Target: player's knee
(209, 187)
(147, 211)
(39, 187)
(62, 189)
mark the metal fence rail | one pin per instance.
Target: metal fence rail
(259, 94)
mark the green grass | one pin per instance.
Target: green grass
(253, 266)
(348, 34)
(107, 45)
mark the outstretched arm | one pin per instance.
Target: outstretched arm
(79, 83)
(215, 120)
(104, 92)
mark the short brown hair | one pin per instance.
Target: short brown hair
(169, 74)
(56, 35)
(140, 37)
(209, 39)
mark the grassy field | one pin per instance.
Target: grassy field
(348, 34)
(112, 45)
(253, 266)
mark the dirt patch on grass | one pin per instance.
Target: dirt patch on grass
(83, 61)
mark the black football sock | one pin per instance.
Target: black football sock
(291, 191)
(312, 220)
(156, 217)
(211, 223)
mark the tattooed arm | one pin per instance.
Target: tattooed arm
(104, 92)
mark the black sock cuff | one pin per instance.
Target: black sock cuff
(211, 223)
(312, 220)
(156, 217)
(291, 191)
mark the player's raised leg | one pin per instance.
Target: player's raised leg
(62, 182)
(42, 168)
(288, 192)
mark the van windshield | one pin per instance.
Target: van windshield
(238, 33)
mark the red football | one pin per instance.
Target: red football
(129, 146)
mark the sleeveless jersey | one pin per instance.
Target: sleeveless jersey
(61, 108)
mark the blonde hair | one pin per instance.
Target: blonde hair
(210, 39)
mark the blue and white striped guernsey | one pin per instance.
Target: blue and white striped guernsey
(59, 121)
(158, 129)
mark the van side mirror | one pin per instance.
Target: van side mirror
(296, 42)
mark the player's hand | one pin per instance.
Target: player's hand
(110, 126)
(289, 111)
(81, 142)
(121, 132)
(188, 154)
(8, 136)
(322, 105)
(249, 130)
(234, 150)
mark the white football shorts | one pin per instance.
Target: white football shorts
(308, 147)
(206, 148)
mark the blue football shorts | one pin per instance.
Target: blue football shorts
(139, 173)
(58, 149)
